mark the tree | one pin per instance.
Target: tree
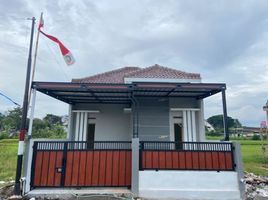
(42, 130)
(12, 121)
(52, 119)
(1, 121)
(39, 124)
(48, 127)
(217, 122)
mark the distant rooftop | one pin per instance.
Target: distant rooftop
(153, 72)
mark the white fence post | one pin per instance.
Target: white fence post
(135, 166)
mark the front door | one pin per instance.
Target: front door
(90, 132)
(178, 132)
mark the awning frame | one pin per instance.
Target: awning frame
(74, 93)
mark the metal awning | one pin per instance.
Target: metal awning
(73, 93)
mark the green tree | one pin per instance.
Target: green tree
(217, 122)
(39, 124)
(1, 121)
(52, 119)
(12, 120)
(49, 127)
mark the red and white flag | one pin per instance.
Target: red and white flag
(67, 55)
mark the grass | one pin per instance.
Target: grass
(8, 159)
(253, 158)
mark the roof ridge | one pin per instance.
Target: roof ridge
(105, 73)
(196, 75)
(155, 71)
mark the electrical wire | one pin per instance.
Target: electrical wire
(9, 99)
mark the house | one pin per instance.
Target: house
(138, 128)
(250, 131)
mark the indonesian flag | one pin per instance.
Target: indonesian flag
(67, 55)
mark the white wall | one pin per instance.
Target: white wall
(112, 124)
(154, 120)
(189, 185)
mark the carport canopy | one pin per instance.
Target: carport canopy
(75, 93)
(103, 93)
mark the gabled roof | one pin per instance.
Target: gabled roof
(114, 76)
(155, 71)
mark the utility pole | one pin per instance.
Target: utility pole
(17, 189)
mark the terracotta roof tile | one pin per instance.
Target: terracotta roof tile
(114, 76)
(155, 71)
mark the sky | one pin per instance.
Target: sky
(224, 41)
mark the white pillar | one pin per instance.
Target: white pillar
(85, 127)
(189, 125)
(193, 126)
(135, 166)
(202, 135)
(70, 123)
(77, 120)
(81, 127)
(185, 134)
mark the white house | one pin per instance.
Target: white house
(140, 128)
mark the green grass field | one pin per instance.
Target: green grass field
(8, 159)
(253, 158)
(252, 155)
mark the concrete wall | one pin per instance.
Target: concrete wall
(112, 124)
(191, 185)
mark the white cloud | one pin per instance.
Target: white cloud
(225, 41)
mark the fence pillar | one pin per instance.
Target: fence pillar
(135, 166)
(29, 167)
(239, 168)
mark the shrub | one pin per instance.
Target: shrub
(4, 135)
(214, 133)
(256, 137)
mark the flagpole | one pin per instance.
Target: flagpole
(30, 106)
(31, 101)
(17, 189)
(35, 57)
